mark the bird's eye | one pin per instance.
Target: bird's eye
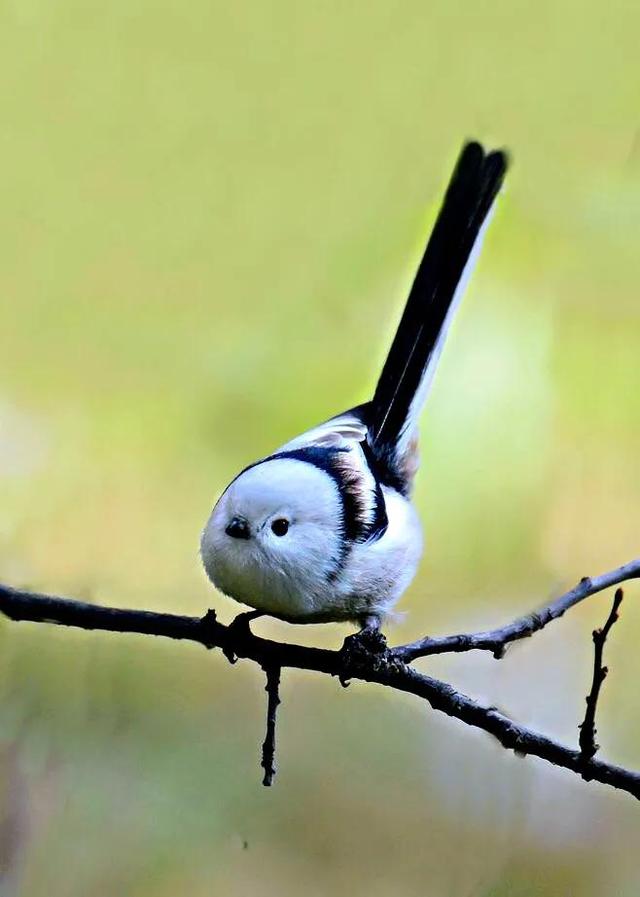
(280, 527)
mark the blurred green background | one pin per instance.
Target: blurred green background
(210, 214)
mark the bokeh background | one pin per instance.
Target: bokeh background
(210, 214)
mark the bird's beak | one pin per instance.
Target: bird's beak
(238, 528)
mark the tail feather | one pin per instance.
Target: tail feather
(437, 288)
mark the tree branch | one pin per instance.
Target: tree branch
(387, 667)
(587, 740)
(496, 640)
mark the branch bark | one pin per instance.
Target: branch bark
(389, 667)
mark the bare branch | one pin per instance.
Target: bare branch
(495, 640)
(383, 666)
(269, 745)
(587, 741)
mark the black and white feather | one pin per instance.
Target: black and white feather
(324, 528)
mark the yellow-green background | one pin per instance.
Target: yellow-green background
(209, 217)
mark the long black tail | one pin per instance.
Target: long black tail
(438, 284)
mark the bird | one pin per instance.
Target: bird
(324, 529)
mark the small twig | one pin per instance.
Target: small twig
(272, 689)
(495, 640)
(587, 740)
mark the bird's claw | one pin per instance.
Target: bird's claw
(238, 632)
(358, 649)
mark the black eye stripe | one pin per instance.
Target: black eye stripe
(280, 527)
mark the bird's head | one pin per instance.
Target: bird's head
(275, 529)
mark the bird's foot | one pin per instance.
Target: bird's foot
(358, 649)
(238, 631)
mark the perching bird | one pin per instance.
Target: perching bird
(324, 529)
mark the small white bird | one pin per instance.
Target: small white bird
(324, 529)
